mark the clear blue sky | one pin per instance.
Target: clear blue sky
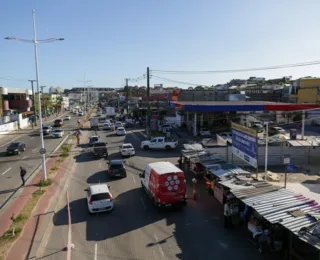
(111, 40)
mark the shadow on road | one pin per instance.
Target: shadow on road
(100, 177)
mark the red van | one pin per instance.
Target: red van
(165, 184)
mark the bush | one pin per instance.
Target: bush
(45, 183)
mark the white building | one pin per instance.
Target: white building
(65, 102)
(56, 90)
(78, 97)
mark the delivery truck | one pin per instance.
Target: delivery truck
(94, 123)
(110, 111)
(165, 184)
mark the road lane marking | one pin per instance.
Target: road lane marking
(142, 201)
(24, 157)
(32, 138)
(11, 141)
(33, 150)
(6, 171)
(96, 251)
(100, 165)
(159, 246)
(134, 180)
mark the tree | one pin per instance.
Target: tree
(190, 88)
(198, 88)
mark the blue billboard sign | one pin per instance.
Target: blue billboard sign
(244, 144)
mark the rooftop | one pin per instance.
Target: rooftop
(164, 167)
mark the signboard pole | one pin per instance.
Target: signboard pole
(266, 154)
(286, 162)
(257, 169)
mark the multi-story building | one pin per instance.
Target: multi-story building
(16, 99)
(305, 90)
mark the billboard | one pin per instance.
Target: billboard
(244, 144)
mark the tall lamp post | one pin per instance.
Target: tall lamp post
(35, 43)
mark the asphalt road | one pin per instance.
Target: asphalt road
(30, 159)
(135, 229)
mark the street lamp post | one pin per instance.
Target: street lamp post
(35, 42)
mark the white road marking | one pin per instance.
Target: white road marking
(159, 246)
(134, 180)
(100, 165)
(33, 150)
(32, 138)
(24, 157)
(11, 141)
(6, 171)
(142, 201)
(95, 251)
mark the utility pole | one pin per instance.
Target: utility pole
(44, 102)
(85, 92)
(34, 102)
(148, 121)
(127, 96)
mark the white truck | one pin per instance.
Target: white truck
(159, 143)
(94, 123)
(110, 111)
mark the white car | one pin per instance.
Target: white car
(118, 124)
(57, 133)
(127, 150)
(204, 132)
(80, 113)
(67, 118)
(121, 131)
(106, 126)
(99, 198)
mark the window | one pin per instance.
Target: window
(99, 144)
(116, 166)
(127, 146)
(153, 141)
(100, 196)
(160, 140)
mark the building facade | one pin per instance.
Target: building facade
(305, 90)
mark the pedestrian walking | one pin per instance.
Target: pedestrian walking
(23, 173)
(227, 219)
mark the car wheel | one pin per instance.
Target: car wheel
(168, 147)
(146, 147)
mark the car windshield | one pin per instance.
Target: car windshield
(127, 146)
(204, 129)
(99, 144)
(45, 127)
(116, 166)
(120, 129)
(94, 139)
(58, 131)
(100, 196)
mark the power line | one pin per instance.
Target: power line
(12, 79)
(177, 81)
(301, 64)
(138, 78)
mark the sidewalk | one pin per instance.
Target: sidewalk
(33, 237)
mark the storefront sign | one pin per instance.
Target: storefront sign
(244, 144)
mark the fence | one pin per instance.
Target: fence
(298, 155)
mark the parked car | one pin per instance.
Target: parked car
(93, 139)
(204, 132)
(67, 117)
(117, 169)
(159, 143)
(258, 127)
(58, 122)
(80, 113)
(57, 133)
(16, 148)
(127, 150)
(99, 198)
(106, 126)
(165, 184)
(100, 149)
(121, 131)
(275, 130)
(46, 129)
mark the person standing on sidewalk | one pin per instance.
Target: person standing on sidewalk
(23, 173)
(227, 219)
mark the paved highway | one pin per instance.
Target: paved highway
(135, 229)
(30, 159)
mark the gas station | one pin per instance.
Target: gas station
(224, 112)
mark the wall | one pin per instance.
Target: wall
(5, 128)
(23, 123)
(309, 95)
(299, 155)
